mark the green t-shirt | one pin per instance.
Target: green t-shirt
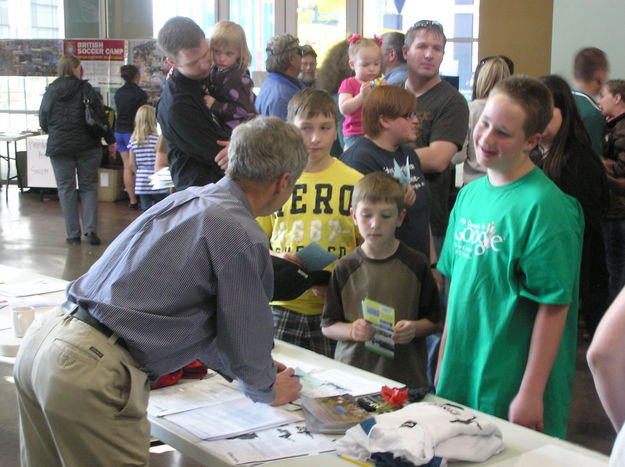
(507, 249)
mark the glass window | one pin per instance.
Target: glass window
(257, 17)
(459, 18)
(31, 20)
(321, 24)
(200, 11)
(20, 98)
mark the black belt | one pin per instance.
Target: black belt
(78, 312)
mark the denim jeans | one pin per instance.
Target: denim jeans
(85, 164)
(433, 341)
(147, 201)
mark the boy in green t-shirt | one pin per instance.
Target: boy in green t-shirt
(512, 251)
(317, 211)
(387, 271)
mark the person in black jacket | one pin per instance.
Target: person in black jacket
(128, 99)
(72, 149)
(190, 128)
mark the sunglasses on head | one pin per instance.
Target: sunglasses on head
(426, 24)
(503, 57)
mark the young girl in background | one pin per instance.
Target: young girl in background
(230, 89)
(365, 58)
(143, 155)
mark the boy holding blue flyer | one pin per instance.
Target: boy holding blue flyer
(382, 299)
(316, 213)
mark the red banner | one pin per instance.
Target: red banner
(96, 49)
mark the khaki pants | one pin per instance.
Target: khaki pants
(81, 398)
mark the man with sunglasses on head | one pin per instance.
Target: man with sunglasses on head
(284, 63)
(190, 128)
(442, 111)
(443, 120)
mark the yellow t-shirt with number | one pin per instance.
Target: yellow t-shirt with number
(317, 211)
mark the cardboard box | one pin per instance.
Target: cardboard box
(110, 186)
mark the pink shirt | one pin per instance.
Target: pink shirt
(353, 122)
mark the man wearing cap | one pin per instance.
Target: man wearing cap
(190, 128)
(166, 292)
(284, 62)
(309, 66)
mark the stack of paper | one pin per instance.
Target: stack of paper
(287, 441)
(161, 179)
(334, 414)
(213, 409)
(232, 418)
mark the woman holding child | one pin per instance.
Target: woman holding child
(389, 123)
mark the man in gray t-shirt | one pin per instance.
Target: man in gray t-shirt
(443, 116)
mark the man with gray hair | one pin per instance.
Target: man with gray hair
(190, 128)
(395, 67)
(284, 62)
(165, 293)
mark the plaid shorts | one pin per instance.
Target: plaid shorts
(301, 330)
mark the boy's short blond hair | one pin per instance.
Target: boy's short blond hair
(533, 97)
(310, 102)
(379, 187)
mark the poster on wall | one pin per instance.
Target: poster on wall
(100, 59)
(37, 57)
(148, 58)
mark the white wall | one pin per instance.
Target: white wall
(584, 23)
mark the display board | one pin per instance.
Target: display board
(39, 168)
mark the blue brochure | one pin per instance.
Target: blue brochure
(315, 257)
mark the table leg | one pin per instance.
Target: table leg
(6, 188)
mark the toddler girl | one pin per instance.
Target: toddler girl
(365, 58)
(143, 155)
(230, 88)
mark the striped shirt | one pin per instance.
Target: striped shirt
(145, 157)
(190, 279)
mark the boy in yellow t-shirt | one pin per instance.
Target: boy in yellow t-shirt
(317, 211)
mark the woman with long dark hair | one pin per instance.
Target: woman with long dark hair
(566, 156)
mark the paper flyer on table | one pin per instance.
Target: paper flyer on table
(382, 317)
(32, 287)
(287, 441)
(192, 395)
(232, 418)
(337, 382)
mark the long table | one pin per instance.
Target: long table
(518, 440)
